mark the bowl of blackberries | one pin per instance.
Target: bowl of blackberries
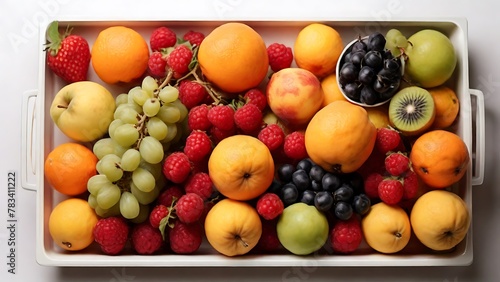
(367, 73)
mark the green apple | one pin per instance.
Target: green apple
(302, 229)
(431, 58)
(83, 110)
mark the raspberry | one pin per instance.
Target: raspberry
(185, 238)
(200, 184)
(294, 146)
(179, 59)
(346, 235)
(157, 65)
(157, 214)
(194, 37)
(390, 191)
(189, 207)
(371, 184)
(111, 234)
(167, 196)
(410, 185)
(387, 140)
(268, 241)
(197, 146)
(397, 164)
(191, 93)
(146, 239)
(269, 206)
(219, 134)
(272, 135)
(198, 118)
(222, 116)
(256, 97)
(162, 37)
(177, 167)
(248, 118)
(280, 56)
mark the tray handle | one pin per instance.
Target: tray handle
(479, 139)
(28, 156)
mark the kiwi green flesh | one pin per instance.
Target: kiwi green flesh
(412, 110)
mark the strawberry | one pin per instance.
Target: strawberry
(68, 56)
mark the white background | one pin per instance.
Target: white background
(19, 51)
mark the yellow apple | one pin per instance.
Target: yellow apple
(386, 228)
(83, 110)
(440, 219)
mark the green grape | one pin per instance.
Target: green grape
(92, 201)
(143, 180)
(157, 128)
(179, 105)
(180, 131)
(144, 198)
(98, 166)
(169, 113)
(104, 213)
(151, 150)
(112, 127)
(171, 133)
(394, 41)
(110, 166)
(155, 169)
(139, 95)
(121, 99)
(168, 94)
(127, 113)
(108, 196)
(96, 182)
(130, 160)
(143, 214)
(151, 107)
(107, 146)
(149, 84)
(129, 206)
(126, 135)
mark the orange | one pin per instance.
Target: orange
(447, 106)
(340, 137)
(68, 167)
(233, 57)
(440, 158)
(317, 49)
(119, 54)
(241, 167)
(331, 90)
(71, 224)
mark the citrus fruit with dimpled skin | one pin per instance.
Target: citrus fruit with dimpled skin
(447, 106)
(340, 137)
(331, 90)
(233, 57)
(71, 224)
(241, 167)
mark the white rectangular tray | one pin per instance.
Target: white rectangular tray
(40, 136)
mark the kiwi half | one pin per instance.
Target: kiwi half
(412, 110)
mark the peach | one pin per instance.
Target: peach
(294, 95)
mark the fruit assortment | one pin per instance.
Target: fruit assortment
(222, 138)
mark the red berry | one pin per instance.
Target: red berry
(222, 116)
(294, 146)
(268, 241)
(194, 37)
(157, 65)
(111, 234)
(198, 118)
(346, 235)
(272, 135)
(387, 140)
(397, 164)
(158, 213)
(191, 93)
(189, 207)
(248, 118)
(198, 146)
(185, 238)
(179, 59)
(371, 184)
(280, 56)
(146, 239)
(162, 37)
(168, 195)
(390, 191)
(68, 56)
(410, 185)
(269, 206)
(219, 134)
(256, 97)
(200, 184)
(177, 167)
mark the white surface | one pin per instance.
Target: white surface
(19, 69)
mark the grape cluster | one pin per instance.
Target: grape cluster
(307, 182)
(369, 73)
(147, 120)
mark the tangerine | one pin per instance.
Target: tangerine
(119, 54)
(331, 90)
(233, 57)
(447, 106)
(68, 167)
